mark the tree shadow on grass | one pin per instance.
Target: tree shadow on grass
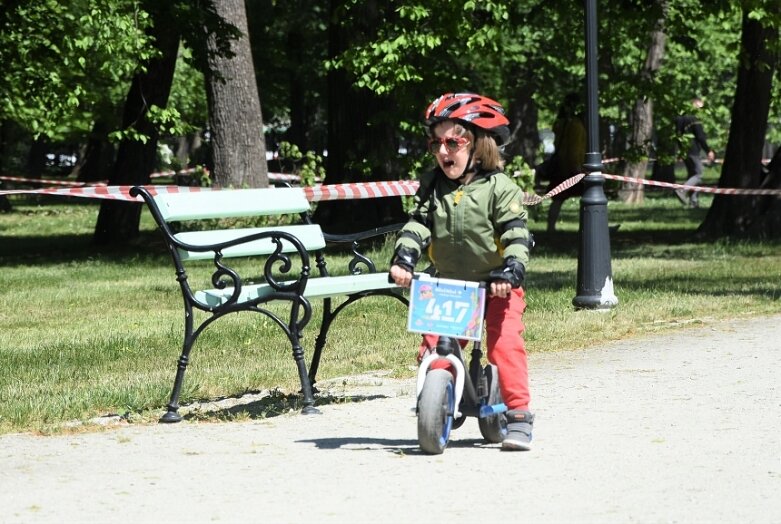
(697, 284)
(623, 244)
(712, 286)
(64, 248)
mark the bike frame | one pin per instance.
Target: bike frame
(475, 407)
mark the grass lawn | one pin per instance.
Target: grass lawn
(87, 332)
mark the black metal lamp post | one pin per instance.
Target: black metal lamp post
(595, 279)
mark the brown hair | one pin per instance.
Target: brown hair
(487, 152)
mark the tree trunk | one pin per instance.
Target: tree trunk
(297, 82)
(235, 118)
(643, 116)
(746, 215)
(5, 140)
(637, 163)
(98, 156)
(362, 143)
(118, 221)
(187, 150)
(36, 158)
(524, 135)
(768, 207)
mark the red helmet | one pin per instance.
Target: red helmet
(473, 109)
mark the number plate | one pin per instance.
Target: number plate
(442, 306)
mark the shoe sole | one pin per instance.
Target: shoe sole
(515, 445)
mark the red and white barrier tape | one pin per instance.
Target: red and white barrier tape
(103, 192)
(765, 161)
(313, 194)
(699, 189)
(365, 190)
(531, 200)
(359, 191)
(274, 177)
(48, 181)
(405, 188)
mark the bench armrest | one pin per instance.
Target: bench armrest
(359, 259)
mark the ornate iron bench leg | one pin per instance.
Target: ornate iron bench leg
(306, 386)
(172, 415)
(320, 341)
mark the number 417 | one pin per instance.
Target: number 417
(448, 310)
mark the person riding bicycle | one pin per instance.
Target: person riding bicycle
(470, 218)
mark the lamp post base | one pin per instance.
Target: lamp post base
(595, 280)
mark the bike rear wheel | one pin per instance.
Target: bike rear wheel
(493, 428)
(436, 406)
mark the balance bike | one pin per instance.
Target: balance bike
(453, 310)
(447, 396)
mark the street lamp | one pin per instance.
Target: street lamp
(595, 279)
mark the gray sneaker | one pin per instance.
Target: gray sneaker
(519, 431)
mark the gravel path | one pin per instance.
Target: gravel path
(683, 427)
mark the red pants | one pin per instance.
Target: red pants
(506, 349)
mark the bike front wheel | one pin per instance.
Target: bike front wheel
(436, 407)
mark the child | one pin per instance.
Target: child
(469, 216)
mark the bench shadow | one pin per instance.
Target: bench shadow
(269, 405)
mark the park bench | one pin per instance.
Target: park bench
(285, 252)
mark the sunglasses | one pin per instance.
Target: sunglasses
(453, 144)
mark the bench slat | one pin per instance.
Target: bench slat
(311, 236)
(316, 287)
(231, 203)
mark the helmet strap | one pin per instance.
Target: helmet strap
(469, 168)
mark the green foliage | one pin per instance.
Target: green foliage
(308, 166)
(188, 96)
(290, 44)
(62, 62)
(416, 37)
(701, 60)
(523, 176)
(201, 177)
(521, 173)
(67, 65)
(167, 120)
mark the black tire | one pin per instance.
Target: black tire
(457, 423)
(493, 428)
(436, 406)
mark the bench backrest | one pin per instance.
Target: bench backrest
(231, 203)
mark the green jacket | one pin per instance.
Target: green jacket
(468, 230)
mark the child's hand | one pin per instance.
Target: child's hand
(507, 278)
(401, 276)
(500, 288)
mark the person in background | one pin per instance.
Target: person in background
(570, 154)
(689, 126)
(469, 217)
